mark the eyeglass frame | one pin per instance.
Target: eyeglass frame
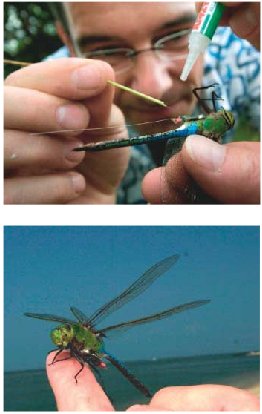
(132, 53)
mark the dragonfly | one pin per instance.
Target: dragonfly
(213, 125)
(85, 342)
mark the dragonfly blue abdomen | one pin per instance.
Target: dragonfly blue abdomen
(212, 126)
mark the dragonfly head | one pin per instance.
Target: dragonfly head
(62, 335)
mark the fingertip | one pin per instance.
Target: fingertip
(92, 76)
(151, 186)
(85, 394)
(204, 152)
(228, 173)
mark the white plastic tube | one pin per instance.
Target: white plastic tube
(202, 33)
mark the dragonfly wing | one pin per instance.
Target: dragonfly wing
(173, 146)
(49, 317)
(156, 316)
(139, 286)
(130, 377)
(80, 316)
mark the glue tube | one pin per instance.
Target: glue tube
(202, 33)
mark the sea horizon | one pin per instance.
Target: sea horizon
(135, 361)
(29, 390)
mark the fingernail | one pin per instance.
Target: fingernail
(87, 77)
(78, 182)
(72, 116)
(71, 155)
(208, 154)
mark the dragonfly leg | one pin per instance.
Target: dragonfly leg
(214, 98)
(81, 369)
(54, 359)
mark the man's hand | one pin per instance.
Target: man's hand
(87, 394)
(227, 174)
(64, 94)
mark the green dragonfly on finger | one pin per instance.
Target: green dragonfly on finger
(85, 342)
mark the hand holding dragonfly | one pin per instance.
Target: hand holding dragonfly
(62, 94)
(88, 395)
(228, 174)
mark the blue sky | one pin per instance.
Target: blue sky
(48, 269)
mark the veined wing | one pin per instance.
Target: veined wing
(139, 286)
(80, 316)
(156, 316)
(49, 317)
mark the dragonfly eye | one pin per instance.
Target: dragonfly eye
(62, 335)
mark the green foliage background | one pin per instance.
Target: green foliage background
(29, 32)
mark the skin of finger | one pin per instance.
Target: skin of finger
(235, 16)
(238, 180)
(85, 395)
(245, 23)
(157, 189)
(34, 111)
(48, 189)
(24, 151)
(104, 170)
(204, 398)
(58, 78)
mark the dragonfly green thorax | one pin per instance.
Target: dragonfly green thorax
(82, 337)
(216, 124)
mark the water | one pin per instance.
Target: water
(30, 391)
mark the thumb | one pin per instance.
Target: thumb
(228, 173)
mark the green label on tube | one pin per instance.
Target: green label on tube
(208, 18)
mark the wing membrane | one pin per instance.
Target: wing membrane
(80, 316)
(49, 317)
(139, 286)
(156, 316)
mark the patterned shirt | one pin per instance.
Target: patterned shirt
(234, 65)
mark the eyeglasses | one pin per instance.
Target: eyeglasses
(171, 47)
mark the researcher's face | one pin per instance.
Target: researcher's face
(100, 25)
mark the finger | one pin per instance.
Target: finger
(229, 173)
(48, 189)
(73, 79)
(157, 190)
(85, 395)
(245, 22)
(30, 110)
(22, 150)
(204, 398)
(69, 78)
(243, 18)
(170, 184)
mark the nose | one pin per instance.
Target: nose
(151, 75)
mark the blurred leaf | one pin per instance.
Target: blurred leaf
(29, 32)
